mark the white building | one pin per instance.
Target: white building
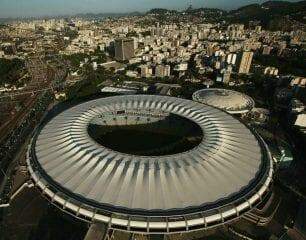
(162, 71)
(271, 71)
(145, 71)
(231, 58)
(301, 120)
(181, 67)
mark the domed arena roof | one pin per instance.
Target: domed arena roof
(150, 163)
(230, 101)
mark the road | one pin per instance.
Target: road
(17, 119)
(44, 77)
(14, 131)
(13, 164)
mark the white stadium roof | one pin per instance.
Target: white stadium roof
(228, 100)
(225, 175)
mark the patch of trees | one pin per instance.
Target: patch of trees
(294, 64)
(10, 70)
(76, 58)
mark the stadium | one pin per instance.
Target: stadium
(228, 100)
(150, 164)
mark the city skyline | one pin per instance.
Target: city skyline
(34, 8)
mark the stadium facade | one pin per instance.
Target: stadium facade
(224, 174)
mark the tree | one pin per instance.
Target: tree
(10, 70)
(76, 58)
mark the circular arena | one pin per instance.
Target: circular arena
(228, 100)
(150, 164)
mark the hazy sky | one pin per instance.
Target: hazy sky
(20, 8)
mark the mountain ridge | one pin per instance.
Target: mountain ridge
(264, 12)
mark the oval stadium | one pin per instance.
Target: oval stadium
(230, 101)
(150, 164)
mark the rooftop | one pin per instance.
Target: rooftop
(224, 165)
(228, 100)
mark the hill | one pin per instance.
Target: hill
(161, 11)
(270, 11)
(208, 12)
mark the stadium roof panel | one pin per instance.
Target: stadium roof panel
(229, 165)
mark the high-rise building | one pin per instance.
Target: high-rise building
(159, 71)
(271, 71)
(231, 58)
(176, 43)
(258, 29)
(162, 71)
(145, 71)
(217, 65)
(245, 61)
(235, 27)
(281, 47)
(226, 76)
(266, 50)
(124, 49)
(167, 70)
(210, 50)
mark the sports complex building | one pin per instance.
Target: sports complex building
(150, 164)
(228, 100)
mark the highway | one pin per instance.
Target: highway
(44, 77)
(17, 141)
(14, 135)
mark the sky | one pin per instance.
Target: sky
(27, 8)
